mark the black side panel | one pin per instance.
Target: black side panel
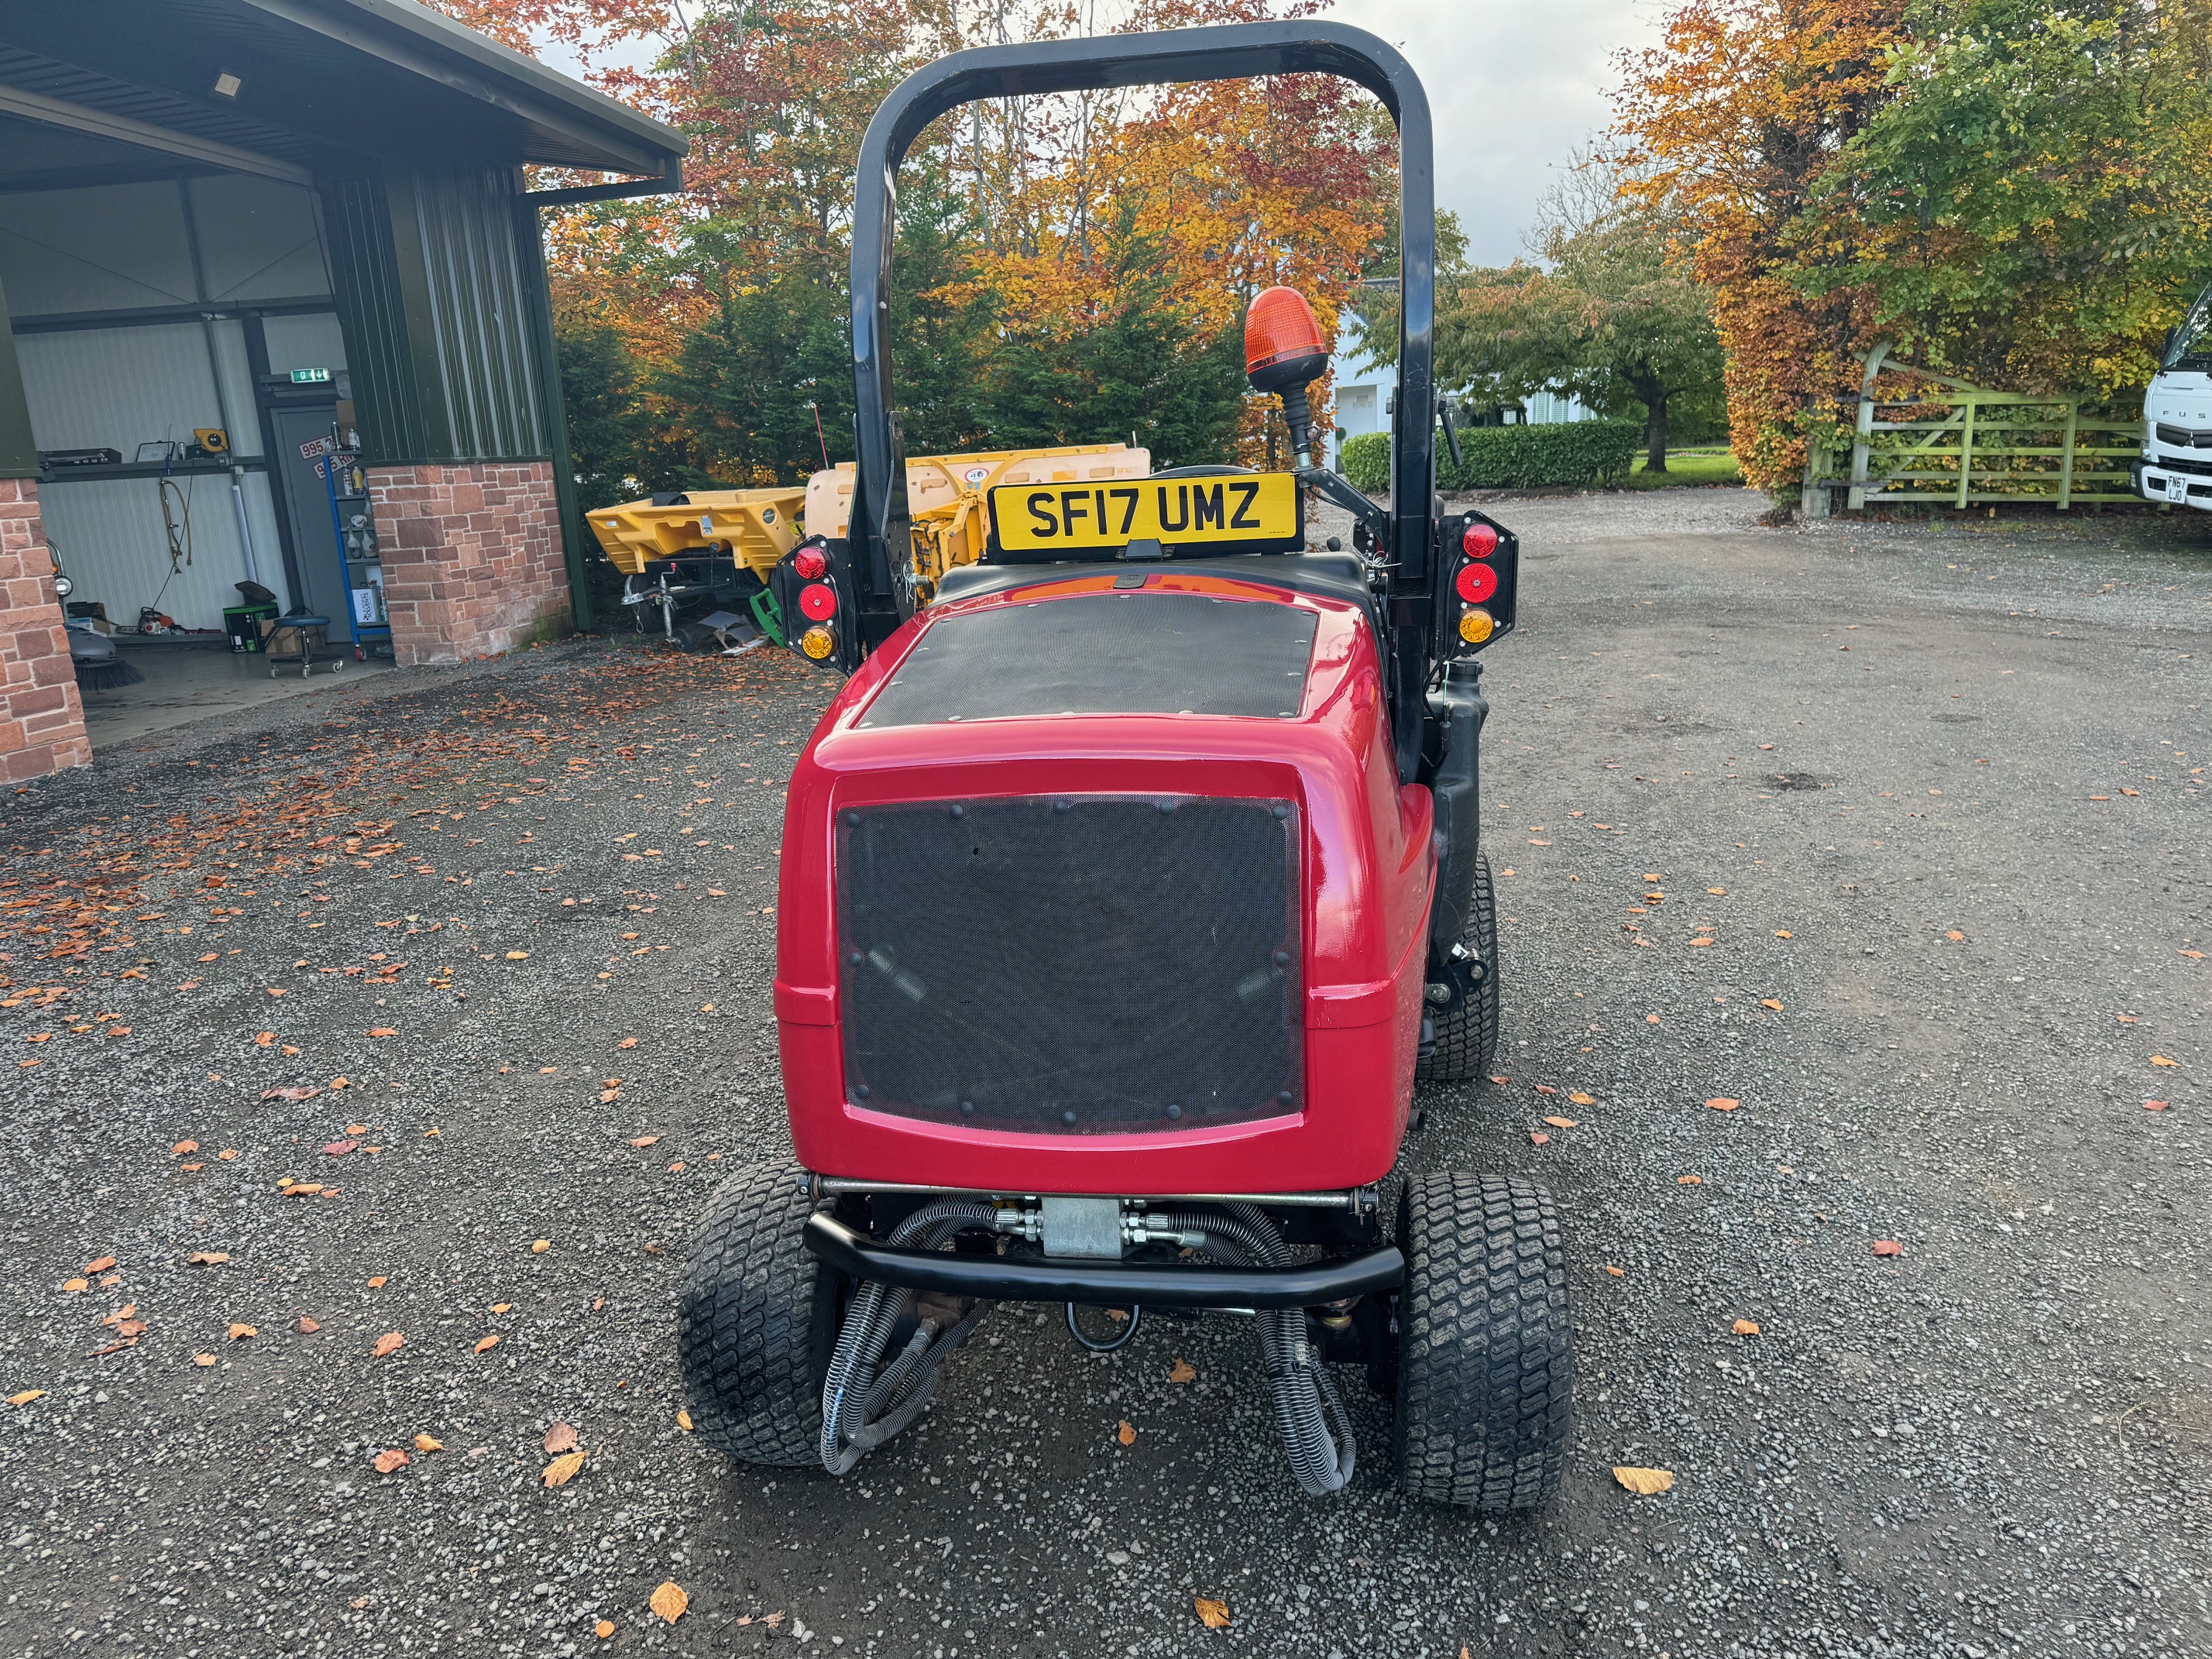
(1130, 652)
(1086, 964)
(1457, 784)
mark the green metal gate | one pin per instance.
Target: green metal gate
(1962, 446)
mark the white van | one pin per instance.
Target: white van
(2177, 463)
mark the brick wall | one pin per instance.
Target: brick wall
(472, 558)
(41, 719)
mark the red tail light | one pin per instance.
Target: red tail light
(809, 563)
(1478, 541)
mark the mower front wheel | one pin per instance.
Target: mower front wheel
(758, 1321)
(1486, 1363)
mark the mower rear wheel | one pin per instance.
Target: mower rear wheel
(1485, 1362)
(1467, 1034)
(757, 1319)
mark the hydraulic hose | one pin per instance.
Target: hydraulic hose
(861, 1409)
(1316, 1430)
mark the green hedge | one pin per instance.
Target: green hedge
(1571, 453)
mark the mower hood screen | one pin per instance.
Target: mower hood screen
(1080, 965)
(1134, 652)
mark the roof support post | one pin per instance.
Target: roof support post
(537, 290)
(19, 451)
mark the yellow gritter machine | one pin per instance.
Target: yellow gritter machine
(945, 496)
(670, 548)
(678, 539)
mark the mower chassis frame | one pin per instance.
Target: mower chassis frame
(1103, 1283)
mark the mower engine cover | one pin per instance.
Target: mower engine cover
(1104, 883)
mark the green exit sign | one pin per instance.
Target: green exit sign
(310, 376)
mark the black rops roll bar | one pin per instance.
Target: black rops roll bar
(878, 529)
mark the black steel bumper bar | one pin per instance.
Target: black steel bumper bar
(1103, 1284)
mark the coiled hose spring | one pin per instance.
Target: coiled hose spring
(862, 1406)
(1315, 1428)
(864, 1403)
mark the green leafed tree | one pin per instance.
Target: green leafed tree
(1611, 316)
(1141, 368)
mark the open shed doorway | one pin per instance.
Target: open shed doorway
(178, 345)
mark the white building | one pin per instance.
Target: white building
(1362, 389)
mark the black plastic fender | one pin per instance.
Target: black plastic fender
(1455, 782)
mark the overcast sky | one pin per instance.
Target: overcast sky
(1514, 86)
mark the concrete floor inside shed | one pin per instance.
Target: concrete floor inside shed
(188, 683)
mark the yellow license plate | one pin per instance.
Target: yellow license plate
(1257, 510)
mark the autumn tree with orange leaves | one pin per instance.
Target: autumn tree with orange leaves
(1730, 123)
(2011, 191)
(1067, 269)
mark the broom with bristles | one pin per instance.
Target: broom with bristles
(100, 666)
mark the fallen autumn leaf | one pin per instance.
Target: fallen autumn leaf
(562, 1470)
(1212, 1614)
(670, 1599)
(1647, 1483)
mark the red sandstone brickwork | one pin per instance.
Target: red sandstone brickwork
(41, 718)
(472, 558)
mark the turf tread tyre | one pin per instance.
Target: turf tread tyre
(1466, 1036)
(755, 1323)
(1486, 1363)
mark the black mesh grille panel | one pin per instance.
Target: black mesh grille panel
(1077, 965)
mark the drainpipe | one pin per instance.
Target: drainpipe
(214, 373)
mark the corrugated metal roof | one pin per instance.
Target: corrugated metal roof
(325, 83)
(34, 72)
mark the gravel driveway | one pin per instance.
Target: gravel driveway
(1856, 876)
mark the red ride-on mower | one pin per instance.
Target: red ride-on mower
(1129, 885)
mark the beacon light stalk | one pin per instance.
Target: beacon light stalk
(1285, 352)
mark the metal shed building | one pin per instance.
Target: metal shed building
(299, 224)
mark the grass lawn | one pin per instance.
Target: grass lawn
(1688, 466)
